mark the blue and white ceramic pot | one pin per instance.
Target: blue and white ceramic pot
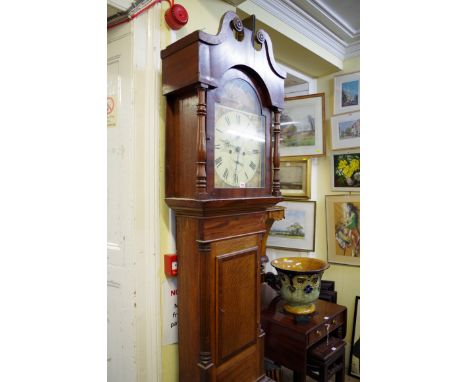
(299, 281)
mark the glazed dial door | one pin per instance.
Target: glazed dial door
(239, 150)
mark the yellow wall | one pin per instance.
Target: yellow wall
(347, 278)
(206, 15)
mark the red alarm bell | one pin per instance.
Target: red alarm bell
(170, 265)
(176, 16)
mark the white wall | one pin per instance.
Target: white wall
(134, 350)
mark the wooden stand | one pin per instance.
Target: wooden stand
(327, 359)
(287, 343)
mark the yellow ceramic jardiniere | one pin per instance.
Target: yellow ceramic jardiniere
(300, 279)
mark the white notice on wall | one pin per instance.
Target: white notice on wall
(170, 316)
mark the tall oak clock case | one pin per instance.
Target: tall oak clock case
(224, 96)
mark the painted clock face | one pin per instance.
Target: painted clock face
(239, 149)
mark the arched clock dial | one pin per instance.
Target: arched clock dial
(239, 148)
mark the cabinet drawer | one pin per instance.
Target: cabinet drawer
(321, 331)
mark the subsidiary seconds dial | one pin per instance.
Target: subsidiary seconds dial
(239, 148)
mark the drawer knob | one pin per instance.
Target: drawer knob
(334, 322)
(317, 332)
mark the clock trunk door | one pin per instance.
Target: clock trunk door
(237, 311)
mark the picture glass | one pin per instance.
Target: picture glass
(292, 178)
(294, 231)
(343, 229)
(346, 171)
(295, 177)
(350, 93)
(297, 229)
(346, 93)
(346, 130)
(302, 126)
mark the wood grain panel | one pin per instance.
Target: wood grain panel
(180, 69)
(234, 225)
(237, 292)
(239, 368)
(186, 161)
(188, 280)
(181, 131)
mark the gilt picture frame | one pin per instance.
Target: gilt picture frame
(343, 215)
(295, 175)
(345, 131)
(345, 170)
(302, 126)
(347, 95)
(355, 348)
(297, 230)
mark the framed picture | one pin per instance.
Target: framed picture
(295, 176)
(302, 122)
(345, 131)
(297, 229)
(354, 363)
(346, 171)
(346, 95)
(343, 214)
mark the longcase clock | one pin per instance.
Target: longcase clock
(224, 97)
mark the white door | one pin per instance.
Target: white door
(121, 286)
(133, 260)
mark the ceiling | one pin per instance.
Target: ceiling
(333, 25)
(338, 16)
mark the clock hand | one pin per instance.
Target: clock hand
(227, 145)
(238, 150)
(251, 152)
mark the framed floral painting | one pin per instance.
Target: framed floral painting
(345, 131)
(297, 229)
(343, 214)
(347, 95)
(302, 121)
(346, 171)
(295, 176)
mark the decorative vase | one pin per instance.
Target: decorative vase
(298, 282)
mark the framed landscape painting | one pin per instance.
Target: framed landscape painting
(297, 229)
(343, 214)
(347, 93)
(295, 176)
(345, 130)
(346, 171)
(302, 122)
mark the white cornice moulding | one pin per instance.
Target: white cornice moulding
(353, 50)
(121, 5)
(325, 11)
(297, 19)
